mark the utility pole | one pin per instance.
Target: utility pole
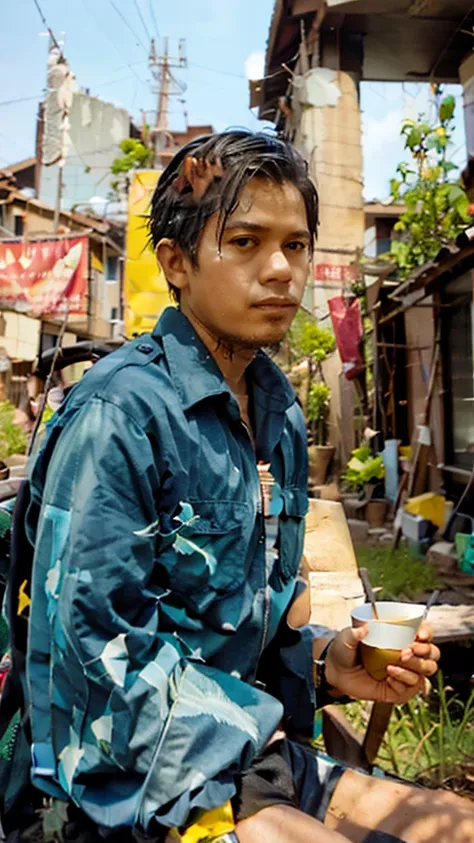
(161, 122)
(165, 87)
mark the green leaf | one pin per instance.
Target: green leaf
(399, 251)
(448, 166)
(307, 339)
(413, 139)
(363, 468)
(425, 128)
(395, 188)
(405, 171)
(455, 192)
(318, 402)
(446, 109)
(461, 205)
(127, 145)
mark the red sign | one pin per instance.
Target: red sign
(335, 273)
(39, 278)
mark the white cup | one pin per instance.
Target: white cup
(395, 631)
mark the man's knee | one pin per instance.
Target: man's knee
(281, 823)
(258, 827)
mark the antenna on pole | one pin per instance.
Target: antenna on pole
(165, 86)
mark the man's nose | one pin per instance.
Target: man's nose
(277, 268)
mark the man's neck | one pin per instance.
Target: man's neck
(232, 361)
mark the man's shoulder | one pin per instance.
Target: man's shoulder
(135, 378)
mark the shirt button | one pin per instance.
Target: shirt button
(145, 347)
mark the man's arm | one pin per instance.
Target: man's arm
(142, 728)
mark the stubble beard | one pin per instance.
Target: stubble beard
(232, 344)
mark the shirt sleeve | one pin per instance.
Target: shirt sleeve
(143, 731)
(286, 672)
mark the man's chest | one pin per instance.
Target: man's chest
(219, 541)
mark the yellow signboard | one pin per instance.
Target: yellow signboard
(145, 290)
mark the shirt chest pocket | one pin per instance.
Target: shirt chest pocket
(209, 552)
(291, 532)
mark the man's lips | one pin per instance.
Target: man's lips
(276, 302)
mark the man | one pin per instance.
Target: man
(168, 519)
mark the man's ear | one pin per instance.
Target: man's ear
(173, 263)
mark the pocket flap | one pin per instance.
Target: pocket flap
(295, 502)
(218, 517)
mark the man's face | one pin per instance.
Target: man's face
(247, 294)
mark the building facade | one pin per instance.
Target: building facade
(30, 224)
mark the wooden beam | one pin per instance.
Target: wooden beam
(378, 723)
(341, 740)
(305, 7)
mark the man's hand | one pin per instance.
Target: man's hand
(345, 672)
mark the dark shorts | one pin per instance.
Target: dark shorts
(288, 773)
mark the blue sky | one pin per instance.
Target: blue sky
(111, 61)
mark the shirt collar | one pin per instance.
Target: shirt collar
(197, 375)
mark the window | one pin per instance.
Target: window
(385, 234)
(19, 225)
(47, 341)
(111, 268)
(459, 371)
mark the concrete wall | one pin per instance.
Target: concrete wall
(97, 128)
(20, 339)
(341, 412)
(330, 137)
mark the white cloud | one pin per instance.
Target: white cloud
(255, 65)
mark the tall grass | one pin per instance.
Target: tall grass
(428, 741)
(398, 573)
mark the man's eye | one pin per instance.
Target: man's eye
(296, 246)
(243, 242)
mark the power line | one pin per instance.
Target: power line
(142, 19)
(220, 72)
(122, 67)
(20, 99)
(152, 12)
(120, 79)
(124, 19)
(105, 31)
(50, 31)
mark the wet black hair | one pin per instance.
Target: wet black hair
(239, 156)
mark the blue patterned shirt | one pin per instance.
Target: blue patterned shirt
(159, 658)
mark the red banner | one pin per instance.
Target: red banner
(335, 273)
(39, 278)
(347, 324)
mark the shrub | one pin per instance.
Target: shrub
(12, 438)
(318, 411)
(363, 468)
